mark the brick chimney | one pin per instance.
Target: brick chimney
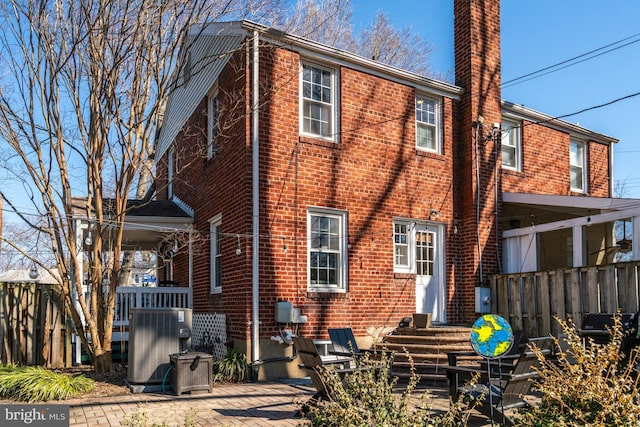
(477, 71)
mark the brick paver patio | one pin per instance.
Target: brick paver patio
(254, 404)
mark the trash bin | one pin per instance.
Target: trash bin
(191, 371)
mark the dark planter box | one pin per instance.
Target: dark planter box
(191, 371)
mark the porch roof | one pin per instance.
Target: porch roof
(583, 210)
(146, 223)
(577, 205)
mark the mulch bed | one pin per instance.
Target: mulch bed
(107, 384)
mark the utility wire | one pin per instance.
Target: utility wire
(594, 107)
(569, 62)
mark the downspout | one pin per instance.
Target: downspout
(190, 302)
(477, 153)
(255, 290)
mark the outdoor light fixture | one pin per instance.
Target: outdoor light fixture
(33, 272)
(238, 249)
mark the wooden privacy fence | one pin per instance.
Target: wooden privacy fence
(530, 301)
(33, 326)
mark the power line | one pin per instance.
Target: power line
(569, 62)
(594, 107)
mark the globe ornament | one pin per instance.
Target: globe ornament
(491, 336)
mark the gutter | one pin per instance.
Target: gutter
(255, 170)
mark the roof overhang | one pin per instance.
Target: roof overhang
(587, 210)
(146, 224)
(521, 112)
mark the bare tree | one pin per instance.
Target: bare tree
(12, 258)
(83, 85)
(83, 88)
(325, 21)
(329, 22)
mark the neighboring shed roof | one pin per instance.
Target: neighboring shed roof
(22, 276)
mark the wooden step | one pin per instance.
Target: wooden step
(429, 339)
(435, 330)
(428, 350)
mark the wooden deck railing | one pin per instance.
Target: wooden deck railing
(128, 297)
(530, 301)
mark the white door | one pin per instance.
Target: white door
(429, 281)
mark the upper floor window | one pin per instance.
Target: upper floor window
(171, 165)
(215, 231)
(318, 101)
(327, 251)
(213, 122)
(577, 162)
(428, 124)
(511, 146)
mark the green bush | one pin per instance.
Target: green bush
(366, 397)
(35, 383)
(232, 368)
(590, 385)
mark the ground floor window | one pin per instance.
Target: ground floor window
(215, 231)
(327, 249)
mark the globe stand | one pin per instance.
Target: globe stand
(491, 337)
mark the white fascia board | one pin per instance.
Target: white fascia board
(602, 203)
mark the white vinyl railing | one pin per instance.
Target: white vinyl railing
(128, 297)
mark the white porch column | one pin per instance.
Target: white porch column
(577, 246)
(521, 253)
(635, 247)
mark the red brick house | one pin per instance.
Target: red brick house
(361, 193)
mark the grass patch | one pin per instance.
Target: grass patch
(38, 384)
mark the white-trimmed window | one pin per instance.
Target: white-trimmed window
(511, 146)
(401, 246)
(327, 250)
(428, 124)
(577, 162)
(171, 165)
(213, 122)
(215, 231)
(318, 101)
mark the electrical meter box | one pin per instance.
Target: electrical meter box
(284, 312)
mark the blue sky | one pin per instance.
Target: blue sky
(537, 34)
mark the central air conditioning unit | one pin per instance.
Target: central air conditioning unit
(155, 334)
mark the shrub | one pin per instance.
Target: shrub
(591, 385)
(366, 397)
(35, 383)
(232, 368)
